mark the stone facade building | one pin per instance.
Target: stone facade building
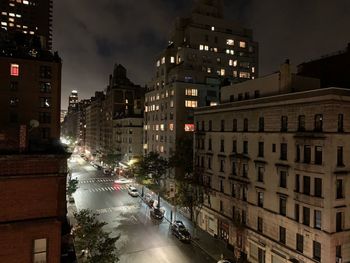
(275, 158)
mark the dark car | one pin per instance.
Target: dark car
(179, 230)
(157, 213)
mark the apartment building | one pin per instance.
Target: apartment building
(275, 158)
(204, 52)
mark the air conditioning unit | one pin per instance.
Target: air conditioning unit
(339, 260)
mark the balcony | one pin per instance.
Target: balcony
(309, 199)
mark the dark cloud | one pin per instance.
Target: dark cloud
(93, 35)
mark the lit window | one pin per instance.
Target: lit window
(189, 127)
(4, 13)
(18, 15)
(253, 69)
(242, 44)
(222, 72)
(3, 23)
(25, 2)
(163, 60)
(11, 19)
(213, 103)
(158, 63)
(14, 70)
(40, 250)
(215, 49)
(213, 28)
(191, 103)
(157, 97)
(25, 27)
(191, 92)
(12, 14)
(31, 32)
(244, 75)
(171, 126)
(201, 47)
(11, 24)
(166, 93)
(157, 127)
(206, 48)
(235, 73)
(230, 42)
(162, 127)
(172, 60)
(209, 70)
(161, 148)
(171, 104)
(157, 138)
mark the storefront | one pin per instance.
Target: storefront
(224, 230)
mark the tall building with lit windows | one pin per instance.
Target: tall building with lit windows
(30, 18)
(204, 52)
(275, 157)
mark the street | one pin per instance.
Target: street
(142, 239)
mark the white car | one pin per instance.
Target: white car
(123, 181)
(133, 191)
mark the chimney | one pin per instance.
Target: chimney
(285, 77)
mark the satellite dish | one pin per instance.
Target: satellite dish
(34, 123)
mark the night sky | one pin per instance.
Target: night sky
(92, 35)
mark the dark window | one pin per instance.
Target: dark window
(306, 216)
(273, 148)
(221, 206)
(260, 199)
(210, 125)
(45, 72)
(339, 221)
(297, 183)
(261, 255)
(234, 169)
(317, 251)
(245, 147)
(260, 174)
(244, 217)
(233, 190)
(45, 87)
(307, 153)
(234, 146)
(209, 145)
(245, 125)
(245, 170)
(222, 146)
(318, 187)
(246, 95)
(296, 212)
(317, 219)
(197, 125)
(45, 133)
(13, 117)
(13, 85)
(283, 179)
(209, 163)
(222, 125)
(257, 94)
(340, 193)
(300, 243)
(306, 185)
(340, 122)
(297, 157)
(14, 102)
(221, 186)
(234, 125)
(318, 122)
(284, 123)
(260, 224)
(240, 96)
(44, 117)
(203, 125)
(318, 155)
(340, 156)
(301, 123)
(338, 251)
(232, 98)
(261, 124)
(222, 165)
(261, 149)
(283, 206)
(283, 151)
(282, 235)
(233, 213)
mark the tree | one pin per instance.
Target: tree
(72, 186)
(154, 166)
(90, 237)
(111, 159)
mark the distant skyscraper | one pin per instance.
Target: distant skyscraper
(29, 17)
(73, 101)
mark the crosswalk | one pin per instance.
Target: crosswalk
(96, 180)
(108, 188)
(125, 208)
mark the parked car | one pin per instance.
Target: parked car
(225, 261)
(133, 191)
(157, 213)
(107, 171)
(123, 181)
(179, 230)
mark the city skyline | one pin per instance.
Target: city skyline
(103, 42)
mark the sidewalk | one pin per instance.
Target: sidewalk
(212, 246)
